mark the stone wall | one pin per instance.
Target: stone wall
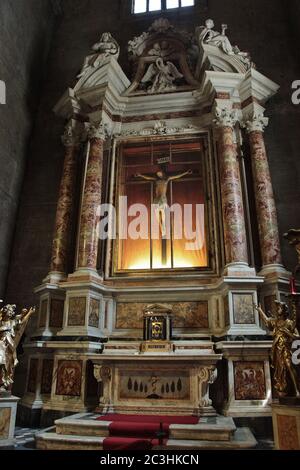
(262, 27)
(25, 34)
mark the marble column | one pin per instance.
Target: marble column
(91, 200)
(264, 196)
(71, 141)
(235, 236)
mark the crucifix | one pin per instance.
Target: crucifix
(161, 181)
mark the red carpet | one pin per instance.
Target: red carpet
(150, 419)
(139, 432)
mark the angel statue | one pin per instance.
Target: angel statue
(284, 332)
(162, 76)
(12, 327)
(107, 46)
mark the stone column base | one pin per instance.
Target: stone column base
(245, 378)
(8, 411)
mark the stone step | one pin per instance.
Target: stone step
(242, 439)
(53, 441)
(211, 429)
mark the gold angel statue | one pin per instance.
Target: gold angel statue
(284, 331)
(12, 327)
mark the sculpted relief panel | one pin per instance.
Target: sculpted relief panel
(173, 385)
(94, 313)
(69, 378)
(243, 309)
(186, 315)
(77, 306)
(249, 381)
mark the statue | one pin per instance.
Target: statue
(107, 46)
(284, 332)
(163, 50)
(12, 327)
(207, 35)
(162, 75)
(161, 180)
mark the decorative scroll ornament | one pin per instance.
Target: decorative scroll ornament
(71, 136)
(256, 123)
(97, 131)
(161, 128)
(162, 25)
(225, 117)
(138, 44)
(206, 377)
(207, 35)
(105, 47)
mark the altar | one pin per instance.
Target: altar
(153, 209)
(157, 383)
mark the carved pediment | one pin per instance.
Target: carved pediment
(163, 60)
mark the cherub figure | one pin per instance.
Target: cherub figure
(107, 46)
(162, 75)
(284, 332)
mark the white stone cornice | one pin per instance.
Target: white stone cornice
(97, 131)
(219, 82)
(256, 122)
(72, 135)
(68, 105)
(225, 117)
(257, 86)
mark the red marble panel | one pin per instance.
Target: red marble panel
(249, 381)
(69, 375)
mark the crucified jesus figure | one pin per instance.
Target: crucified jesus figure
(161, 180)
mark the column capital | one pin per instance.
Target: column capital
(255, 122)
(71, 135)
(225, 116)
(97, 131)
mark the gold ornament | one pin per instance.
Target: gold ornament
(284, 331)
(12, 327)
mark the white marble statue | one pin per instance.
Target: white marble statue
(207, 35)
(107, 46)
(163, 49)
(162, 76)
